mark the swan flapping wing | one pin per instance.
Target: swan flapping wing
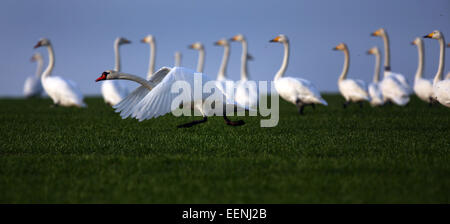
(159, 75)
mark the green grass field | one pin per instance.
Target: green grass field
(330, 155)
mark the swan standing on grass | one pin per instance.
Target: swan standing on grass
(33, 86)
(154, 97)
(422, 87)
(63, 92)
(201, 55)
(224, 84)
(376, 97)
(352, 90)
(387, 60)
(441, 88)
(246, 91)
(298, 91)
(177, 59)
(149, 39)
(113, 92)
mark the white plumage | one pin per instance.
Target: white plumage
(63, 92)
(376, 96)
(33, 85)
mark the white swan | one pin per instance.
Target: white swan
(113, 92)
(376, 97)
(352, 90)
(298, 91)
(177, 59)
(448, 73)
(154, 98)
(441, 88)
(387, 61)
(33, 86)
(246, 91)
(201, 55)
(63, 92)
(149, 39)
(226, 85)
(422, 87)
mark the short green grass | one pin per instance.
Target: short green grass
(331, 155)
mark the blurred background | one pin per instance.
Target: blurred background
(82, 33)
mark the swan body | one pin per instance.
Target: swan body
(154, 97)
(201, 55)
(422, 87)
(33, 86)
(352, 90)
(387, 62)
(112, 91)
(441, 88)
(376, 96)
(298, 91)
(246, 91)
(63, 92)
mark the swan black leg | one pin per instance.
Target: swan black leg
(54, 105)
(346, 104)
(300, 106)
(190, 124)
(233, 123)
(313, 106)
(360, 104)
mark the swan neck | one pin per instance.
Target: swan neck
(440, 71)
(177, 59)
(223, 66)
(51, 62)
(244, 57)
(419, 71)
(376, 75)
(40, 63)
(149, 85)
(346, 65)
(387, 54)
(284, 65)
(117, 56)
(151, 63)
(201, 60)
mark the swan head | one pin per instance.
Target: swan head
(379, 32)
(148, 39)
(238, 38)
(434, 35)
(196, 46)
(222, 42)
(36, 57)
(373, 50)
(108, 74)
(417, 41)
(121, 40)
(340, 47)
(42, 42)
(280, 38)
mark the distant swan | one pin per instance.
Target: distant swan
(387, 61)
(441, 88)
(63, 92)
(298, 91)
(177, 59)
(226, 85)
(33, 86)
(352, 90)
(422, 87)
(376, 97)
(113, 92)
(201, 55)
(246, 91)
(149, 39)
(154, 99)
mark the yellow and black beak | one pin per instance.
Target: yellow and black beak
(234, 38)
(143, 41)
(191, 46)
(448, 45)
(430, 35)
(125, 41)
(376, 33)
(335, 48)
(276, 39)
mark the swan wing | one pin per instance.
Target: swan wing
(376, 97)
(159, 75)
(393, 90)
(32, 86)
(403, 81)
(291, 89)
(442, 92)
(354, 89)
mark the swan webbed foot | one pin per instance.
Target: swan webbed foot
(233, 123)
(192, 123)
